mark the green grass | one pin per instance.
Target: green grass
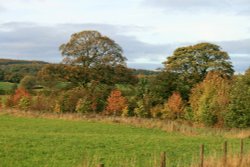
(6, 87)
(53, 142)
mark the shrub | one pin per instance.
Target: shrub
(43, 103)
(68, 99)
(156, 111)
(19, 94)
(9, 102)
(57, 108)
(83, 106)
(24, 103)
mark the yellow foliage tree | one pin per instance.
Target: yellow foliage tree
(210, 98)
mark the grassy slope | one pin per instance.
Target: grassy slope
(44, 142)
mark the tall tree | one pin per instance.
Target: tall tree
(192, 63)
(87, 51)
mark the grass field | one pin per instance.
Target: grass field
(53, 142)
(6, 87)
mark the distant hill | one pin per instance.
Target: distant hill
(13, 61)
(14, 70)
(144, 72)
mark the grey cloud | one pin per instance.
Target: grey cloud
(2, 9)
(236, 46)
(32, 41)
(36, 42)
(239, 51)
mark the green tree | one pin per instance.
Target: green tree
(89, 50)
(192, 63)
(238, 114)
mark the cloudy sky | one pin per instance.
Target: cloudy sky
(148, 30)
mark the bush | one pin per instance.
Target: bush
(141, 110)
(68, 99)
(19, 94)
(43, 103)
(24, 103)
(156, 112)
(83, 106)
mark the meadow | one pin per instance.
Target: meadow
(54, 142)
(6, 87)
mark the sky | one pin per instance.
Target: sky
(147, 30)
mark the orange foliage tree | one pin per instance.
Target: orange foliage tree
(19, 94)
(116, 103)
(175, 105)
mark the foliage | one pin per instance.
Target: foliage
(1, 103)
(43, 103)
(210, 98)
(25, 62)
(175, 105)
(83, 105)
(28, 82)
(116, 103)
(19, 94)
(15, 72)
(192, 63)
(68, 100)
(157, 111)
(143, 98)
(88, 53)
(238, 114)
(162, 86)
(24, 103)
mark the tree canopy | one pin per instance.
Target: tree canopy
(191, 64)
(92, 56)
(195, 61)
(91, 49)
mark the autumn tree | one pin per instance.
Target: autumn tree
(192, 63)
(210, 98)
(89, 53)
(174, 106)
(19, 94)
(116, 103)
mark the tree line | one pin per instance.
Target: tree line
(197, 84)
